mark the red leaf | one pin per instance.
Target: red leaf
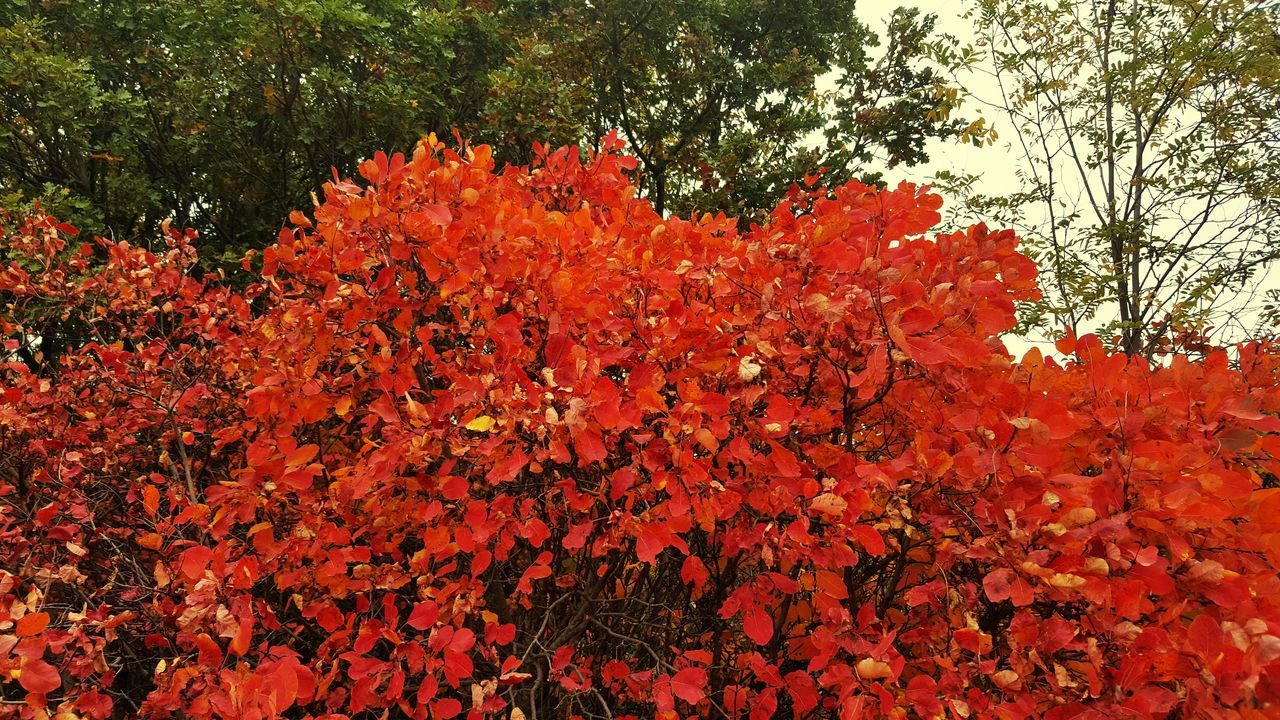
(650, 542)
(495, 634)
(438, 214)
(38, 676)
(330, 618)
(195, 560)
(1205, 637)
(528, 387)
(508, 467)
(462, 641)
(283, 686)
(693, 572)
(210, 651)
(301, 456)
(869, 537)
(577, 536)
(690, 685)
(95, 705)
(531, 573)
(455, 487)
(590, 447)
(424, 615)
(757, 624)
(1004, 584)
(445, 708)
(925, 350)
(803, 691)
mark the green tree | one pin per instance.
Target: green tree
(224, 114)
(1150, 146)
(725, 103)
(227, 114)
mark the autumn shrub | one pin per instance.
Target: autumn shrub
(509, 444)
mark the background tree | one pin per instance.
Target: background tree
(226, 115)
(222, 114)
(721, 101)
(1150, 145)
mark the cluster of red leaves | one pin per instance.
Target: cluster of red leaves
(508, 444)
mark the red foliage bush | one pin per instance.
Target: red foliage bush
(508, 444)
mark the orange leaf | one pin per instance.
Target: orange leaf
(240, 643)
(150, 499)
(32, 624)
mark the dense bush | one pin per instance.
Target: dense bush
(511, 445)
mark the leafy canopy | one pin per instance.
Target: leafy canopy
(223, 114)
(510, 444)
(226, 114)
(725, 104)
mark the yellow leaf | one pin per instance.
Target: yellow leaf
(1066, 580)
(1077, 517)
(484, 423)
(1096, 566)
(869, 669)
